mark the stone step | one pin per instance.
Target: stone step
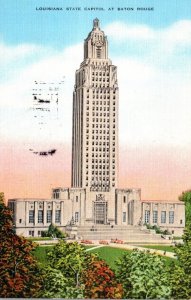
(129, 233)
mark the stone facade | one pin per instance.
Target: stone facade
(32, 216)
(94, 198)
(165, 214)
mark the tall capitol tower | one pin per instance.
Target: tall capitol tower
(94, 198)
(95, 117)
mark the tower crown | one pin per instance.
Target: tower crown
(95, 45)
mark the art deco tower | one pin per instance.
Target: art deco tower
(95, 117)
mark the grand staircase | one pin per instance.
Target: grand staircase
(130, 234)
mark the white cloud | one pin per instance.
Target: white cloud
(120, 31)
(10, 53)
(179, 31)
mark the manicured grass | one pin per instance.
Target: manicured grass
(159, 247)
(40, 253)
(39, 238)
(109, 254)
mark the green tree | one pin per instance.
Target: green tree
(186, 198)
(70, 259)
(181, 270)
(19, 272)
(63, 275)
(54, 231)
(143, 276)
(56, 285)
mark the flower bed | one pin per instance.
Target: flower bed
(103, 242)
(116, 241)
(86, 242)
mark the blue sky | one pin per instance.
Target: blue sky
(20, 22)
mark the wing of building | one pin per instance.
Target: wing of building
(94, 199)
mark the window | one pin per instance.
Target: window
(124, 216)
(20, 220)
(147, 216)
(40, 216)
(49, 216)
(155, 216)
(31, 232)
(76, 198)
(57, 216)
(76, 217)
(31, 216)
(171, 217)
(163, 217)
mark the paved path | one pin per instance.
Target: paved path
(131, 247)
(94, 247)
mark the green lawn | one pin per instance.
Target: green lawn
(40, 253)
(109, 254)
(39, 238)
(159, 247)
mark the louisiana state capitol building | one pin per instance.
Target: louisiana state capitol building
(95, 134)
(93, 207)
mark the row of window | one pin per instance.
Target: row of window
(100, 173)
(102, 161)
(100, 85)
(99, 137)
(99, 131)
(102, 155)
(101, 91)
(102, 118)
(48, 216)
(163, 217)
(101, 179)
(99, 104)
(101, 149)
(101, 115)
(102, 167)
(102, 97)
(100, 143)
(99, 125)
(101, 107)
(100, 74)
(100, 79)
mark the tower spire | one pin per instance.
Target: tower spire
(96, 23)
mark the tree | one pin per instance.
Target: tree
(54, 231)
(63, 275)
(100, 282)
(181, 270)
(70, 259)
(143, 276)
(186, 198)
(56, 285)
(19, 272)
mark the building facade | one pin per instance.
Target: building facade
(94, 198)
